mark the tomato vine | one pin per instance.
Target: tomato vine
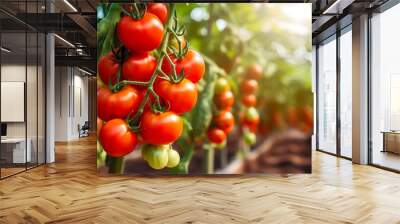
(173, 68)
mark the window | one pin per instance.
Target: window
(385, 89)
(346, 92)
(327, 96)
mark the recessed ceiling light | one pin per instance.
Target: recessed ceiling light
(337, 7)
(5, 50)
(70, 5)
(84, 71)
(64, 40)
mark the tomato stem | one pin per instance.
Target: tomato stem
(157, 99)
(209, 161)
(172, 64)
(181, 51)
(115, 164)
(162, 52)
(165, 76)
(138, 13)
(127, 82)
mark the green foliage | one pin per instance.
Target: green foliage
(198, 120)
(254, 33)
(106, 27)
(202, 113)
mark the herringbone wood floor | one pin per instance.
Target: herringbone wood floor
(70, 191)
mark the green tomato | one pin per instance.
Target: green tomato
(173, 158)
(146, 150)
(250, 138)
(221, 145)
(156, 155)
(221, 85)
(101, 154)
(99, 147)
(251, 114)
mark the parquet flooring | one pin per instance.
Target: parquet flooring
(70, 191)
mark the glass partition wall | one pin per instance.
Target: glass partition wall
(334, 94)
(385, 89)
(327, 95)
(345, 61)
(22, 77)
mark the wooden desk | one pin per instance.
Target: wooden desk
(391, 141)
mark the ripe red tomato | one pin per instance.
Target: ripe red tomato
(160, 128)
(225, 121)
(180, 97)
(292, 116)
(99, 126)
(308, 116)
(160, 10)
(249, 100)
(117, 138)
(229, 128)
(216, 135)
(117, 105)
(224, 100)
(108, 68)
(251, 126)
(139, 67)
(103, 94)
(140, 35)
(278, 120)
(254, 71)
(192, 65)
(249, 86)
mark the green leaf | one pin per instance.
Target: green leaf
(106, 29)
(202, 113)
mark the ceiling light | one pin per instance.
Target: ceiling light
(337, 7)
(64, 40)
(70, 5)
(5, 50)
(84, 71)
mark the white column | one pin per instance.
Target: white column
(314, 91)
(360, 90)
(50, 99)
(50, 92)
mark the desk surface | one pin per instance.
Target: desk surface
(391, 132)
(13, 140)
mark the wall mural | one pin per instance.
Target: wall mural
(204, 88)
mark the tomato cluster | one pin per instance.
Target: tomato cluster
(300, 117)
(160, 156)
(144, 97)
(223, 120)
(250, 117)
